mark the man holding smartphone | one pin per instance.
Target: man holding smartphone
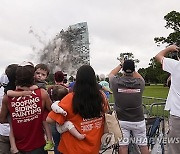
(173, 100)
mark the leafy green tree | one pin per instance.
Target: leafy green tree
(153, 73)
(127, 55)
(172, 22)
(160, 75)
(143, 72)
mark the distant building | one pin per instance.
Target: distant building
(68, 50)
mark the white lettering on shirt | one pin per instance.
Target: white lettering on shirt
(25, 110)
(89, 124)
(129, 90)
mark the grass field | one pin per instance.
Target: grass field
(157, 91)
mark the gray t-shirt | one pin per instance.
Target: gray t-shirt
(127, 93)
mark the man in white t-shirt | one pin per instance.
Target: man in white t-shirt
(173, 100)
(4, 128)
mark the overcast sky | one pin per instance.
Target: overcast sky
(114, 26)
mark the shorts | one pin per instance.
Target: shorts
(173, 140)
(4, 145)
(139, 132)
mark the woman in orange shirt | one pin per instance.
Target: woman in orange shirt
(85, 108)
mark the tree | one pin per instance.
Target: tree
(173, 22)
(127, 55)
(154, 72)
(159, 76)
(143, 72)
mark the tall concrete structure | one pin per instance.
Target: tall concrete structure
(68, 50)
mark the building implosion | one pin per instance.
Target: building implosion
(68, 50)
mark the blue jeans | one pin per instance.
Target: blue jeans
(56, 137)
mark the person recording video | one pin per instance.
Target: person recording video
(172, 104)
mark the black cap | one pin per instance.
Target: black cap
(128, 66)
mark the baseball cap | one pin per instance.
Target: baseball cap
(26, 63)
(128, 66)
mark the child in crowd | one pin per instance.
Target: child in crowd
(58, 92)
(40, 75)
(58, 79)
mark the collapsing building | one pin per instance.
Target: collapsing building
(68, 50)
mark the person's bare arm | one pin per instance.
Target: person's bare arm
(115, 71)
(13, 93)
(46, 99)
(49, 120)
(117, 68)
(33, 87)
(106, 89)
(172, 48)
(4, 110)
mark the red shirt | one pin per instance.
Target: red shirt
(27, 117)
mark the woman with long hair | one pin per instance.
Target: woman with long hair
(85, 108)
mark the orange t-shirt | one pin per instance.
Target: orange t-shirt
(93, 128)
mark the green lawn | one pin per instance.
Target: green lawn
(157, 91)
